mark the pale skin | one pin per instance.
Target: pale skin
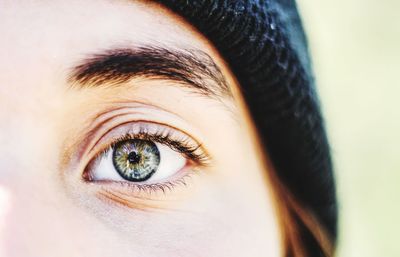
(49, 135)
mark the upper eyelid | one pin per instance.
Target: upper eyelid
(100, 146)
(106, 132)
(126, 105)
(106, 116)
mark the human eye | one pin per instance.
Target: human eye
(143, 158)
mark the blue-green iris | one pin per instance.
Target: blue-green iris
(135, 159)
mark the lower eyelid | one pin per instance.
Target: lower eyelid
(142, 199)
(126, 201)
(150, 191)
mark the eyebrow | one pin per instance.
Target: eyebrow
(191, 68)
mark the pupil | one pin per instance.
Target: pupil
(133, 157)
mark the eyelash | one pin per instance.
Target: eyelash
(134, 189)
(184, 145)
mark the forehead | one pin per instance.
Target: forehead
(90, 19)
(44, 34)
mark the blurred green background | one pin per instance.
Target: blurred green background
(355, 46)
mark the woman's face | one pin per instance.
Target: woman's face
(122, 134)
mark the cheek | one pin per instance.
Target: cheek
(220, 231)
(217, 220)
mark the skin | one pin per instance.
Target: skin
(48, 209)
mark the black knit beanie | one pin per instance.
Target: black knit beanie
(264, 44)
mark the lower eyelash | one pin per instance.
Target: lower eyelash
(161, 187)
(132, 195)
